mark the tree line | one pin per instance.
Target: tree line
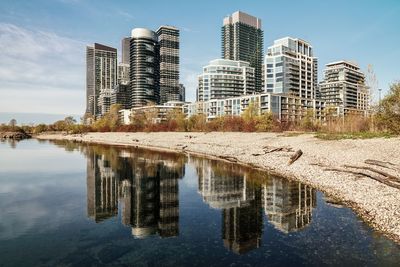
(385, 118)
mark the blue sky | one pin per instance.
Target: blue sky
(42, 42)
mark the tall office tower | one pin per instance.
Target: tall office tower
(125, 48)
(168, 38)
(182, 93)
(344, 89)
(144, 67)
(242, 39)
(288, 204)
(291, 68)
(224, 78)
(101, 75)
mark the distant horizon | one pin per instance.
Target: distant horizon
(24, 118)
(42, 64)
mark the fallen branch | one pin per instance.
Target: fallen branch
(385, 174)
(295, 156)
(374, 177)
(383, 164)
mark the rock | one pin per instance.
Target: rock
(15, 135)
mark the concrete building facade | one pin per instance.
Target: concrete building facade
(101, 76)
(168, 38)
(344, 90)
(291, 68)
(285, 108)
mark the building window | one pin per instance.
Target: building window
(149, 47)
(150, 81)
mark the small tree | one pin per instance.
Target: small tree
(251, 112)
(110, 120)
(264, 122)
(177, 118)
(389, 115)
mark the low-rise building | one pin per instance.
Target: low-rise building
(158, 113)
(125, 116)
(284, 107)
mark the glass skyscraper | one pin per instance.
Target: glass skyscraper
(242, 39)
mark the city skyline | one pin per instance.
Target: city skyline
(58, 48)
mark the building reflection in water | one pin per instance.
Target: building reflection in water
(242, 194)
(288, 204)
(146, 184)
(226, 187)
(102, 191)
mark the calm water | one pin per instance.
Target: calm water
(64, 204)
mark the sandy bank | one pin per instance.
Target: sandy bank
(377, 203)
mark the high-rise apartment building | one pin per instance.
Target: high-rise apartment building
(344, 89)
(123, 73)
(144, 67)
(168, 38)
(224, 78)
(121, 95)
(242, 39)
(291, 68)
(101, 75)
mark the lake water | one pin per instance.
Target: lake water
(67, 204)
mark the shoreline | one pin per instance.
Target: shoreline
(377, 204)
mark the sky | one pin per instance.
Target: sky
(43, 42)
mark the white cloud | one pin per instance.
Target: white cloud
(40, 71)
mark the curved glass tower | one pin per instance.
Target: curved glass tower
(144, 67)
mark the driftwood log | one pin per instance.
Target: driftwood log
(383, 164)
(385, 174)
(372, 176)
(229, 158)
(295, 156)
